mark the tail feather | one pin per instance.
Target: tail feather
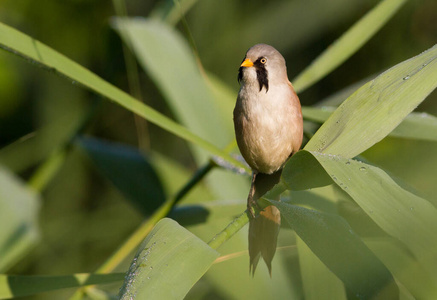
(264, 228)
(263, 234)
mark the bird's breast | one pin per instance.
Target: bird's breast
(265, 127)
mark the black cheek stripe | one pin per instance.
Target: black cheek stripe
(261, 74)
(240, 74)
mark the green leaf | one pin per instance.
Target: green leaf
(168, 263)
(303, 172)
(30, 49)
(377, 108)
(421, 126)
(403, 215)
(128, 170)
(12, 286)
(347, 44)
(19, 209)
(167, 58)
(405, 268)
(339, 248)
(318, 281)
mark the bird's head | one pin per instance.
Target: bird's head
(262, 66)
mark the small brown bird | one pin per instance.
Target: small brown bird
(269, 129)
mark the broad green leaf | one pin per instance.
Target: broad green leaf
(318, 281)
(167, 58)
(168, 263)
(13, 286)
(338, 247)
(395, 256)
(405, 268)
(377, 108)
(403, 215)
(347, 44)
(19, 209)
(36, 52)
(420, 126)
(303, 172)
(128, 170)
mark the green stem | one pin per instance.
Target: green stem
(229, 231)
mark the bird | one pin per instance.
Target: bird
(269, 130)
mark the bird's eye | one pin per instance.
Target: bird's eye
(263, 60)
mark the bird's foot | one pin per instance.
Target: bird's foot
(252, 206)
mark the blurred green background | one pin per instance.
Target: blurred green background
(83, 217)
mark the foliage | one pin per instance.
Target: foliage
(358, 231)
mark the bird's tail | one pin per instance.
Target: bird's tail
(263, 234)
(264, 228)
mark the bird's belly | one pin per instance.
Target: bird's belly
(266, 143)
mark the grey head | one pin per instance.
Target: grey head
(263, 64)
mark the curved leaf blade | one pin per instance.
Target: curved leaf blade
(318, 281)
(378, 107)
(168, 263)
(405, 267)
(410, 219)
(403, 215)
(420, 126)
(338, 247)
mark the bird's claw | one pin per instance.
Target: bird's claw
(251, 205)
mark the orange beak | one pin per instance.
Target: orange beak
(246, 63)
